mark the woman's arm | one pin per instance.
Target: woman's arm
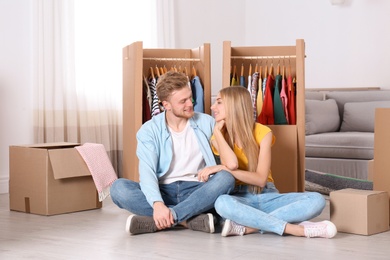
(258, 178)
(227, 155)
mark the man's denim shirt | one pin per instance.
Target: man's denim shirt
(154, 150)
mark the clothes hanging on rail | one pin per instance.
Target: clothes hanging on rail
(284, 98)
(151, 102)
(242, 80)
(266, 116)
(279, 117)
(259, 98)
(197, 94)
(253, 92)
(273, 98)
(146, 112)
(248, 87)
(155, 108)
(234, 81)
(291, 100)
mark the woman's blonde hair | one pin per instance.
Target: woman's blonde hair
(240, 123)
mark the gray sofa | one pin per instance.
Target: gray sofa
(340, 130)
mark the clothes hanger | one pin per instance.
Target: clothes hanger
(278, 68)
(271, 69)
(157, 71)
(151, 72)
(242, 70)
(250, 69)
(289, 68)
(193, 71)
(260, 71)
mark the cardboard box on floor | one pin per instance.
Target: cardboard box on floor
(49, 179)
(382, 150)
(361, 212)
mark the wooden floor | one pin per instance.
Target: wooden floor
(99, 234)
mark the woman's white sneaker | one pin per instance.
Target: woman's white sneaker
(231, 228)
(325, 229)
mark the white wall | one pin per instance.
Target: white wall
(346, 46)
(15, 80)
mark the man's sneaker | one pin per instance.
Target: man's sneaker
(231, 228)
(202, 222)
(325, 229)
(140, 224)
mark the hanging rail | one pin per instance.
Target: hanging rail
(172, 59)
(263, 57)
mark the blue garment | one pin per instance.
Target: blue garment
(197, 94)
(270, 210)
(184, 198)
(242, 81)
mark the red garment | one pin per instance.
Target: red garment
(266, 116)
(291, 101)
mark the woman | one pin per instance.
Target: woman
(244, 147)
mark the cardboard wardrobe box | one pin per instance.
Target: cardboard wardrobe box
(370, 176)
(382, 150)
(49, 179)
(361, 212)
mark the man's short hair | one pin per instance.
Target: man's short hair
(169, 82)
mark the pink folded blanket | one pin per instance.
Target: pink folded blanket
(98, 163)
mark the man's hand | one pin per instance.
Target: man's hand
(204, 174)
(162, 215)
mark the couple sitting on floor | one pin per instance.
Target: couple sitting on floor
(180, 182)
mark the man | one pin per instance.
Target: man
(174, 152)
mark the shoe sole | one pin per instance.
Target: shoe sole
(211, 222)
(225, 229)
(128, 223)
(334, 229)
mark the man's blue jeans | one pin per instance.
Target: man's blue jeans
(270, 210)
(185, 198)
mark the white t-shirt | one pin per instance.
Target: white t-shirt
(187, 158)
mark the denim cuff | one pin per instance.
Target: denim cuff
(174, 216)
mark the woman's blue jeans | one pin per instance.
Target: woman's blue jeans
(185, 198)
(270, 210)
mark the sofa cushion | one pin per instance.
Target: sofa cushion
(316, 95)
(360, 116)
(321, 116)
(347, 145)
(343, 97)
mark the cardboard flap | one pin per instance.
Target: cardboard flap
(67, 163)
(51, 145)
